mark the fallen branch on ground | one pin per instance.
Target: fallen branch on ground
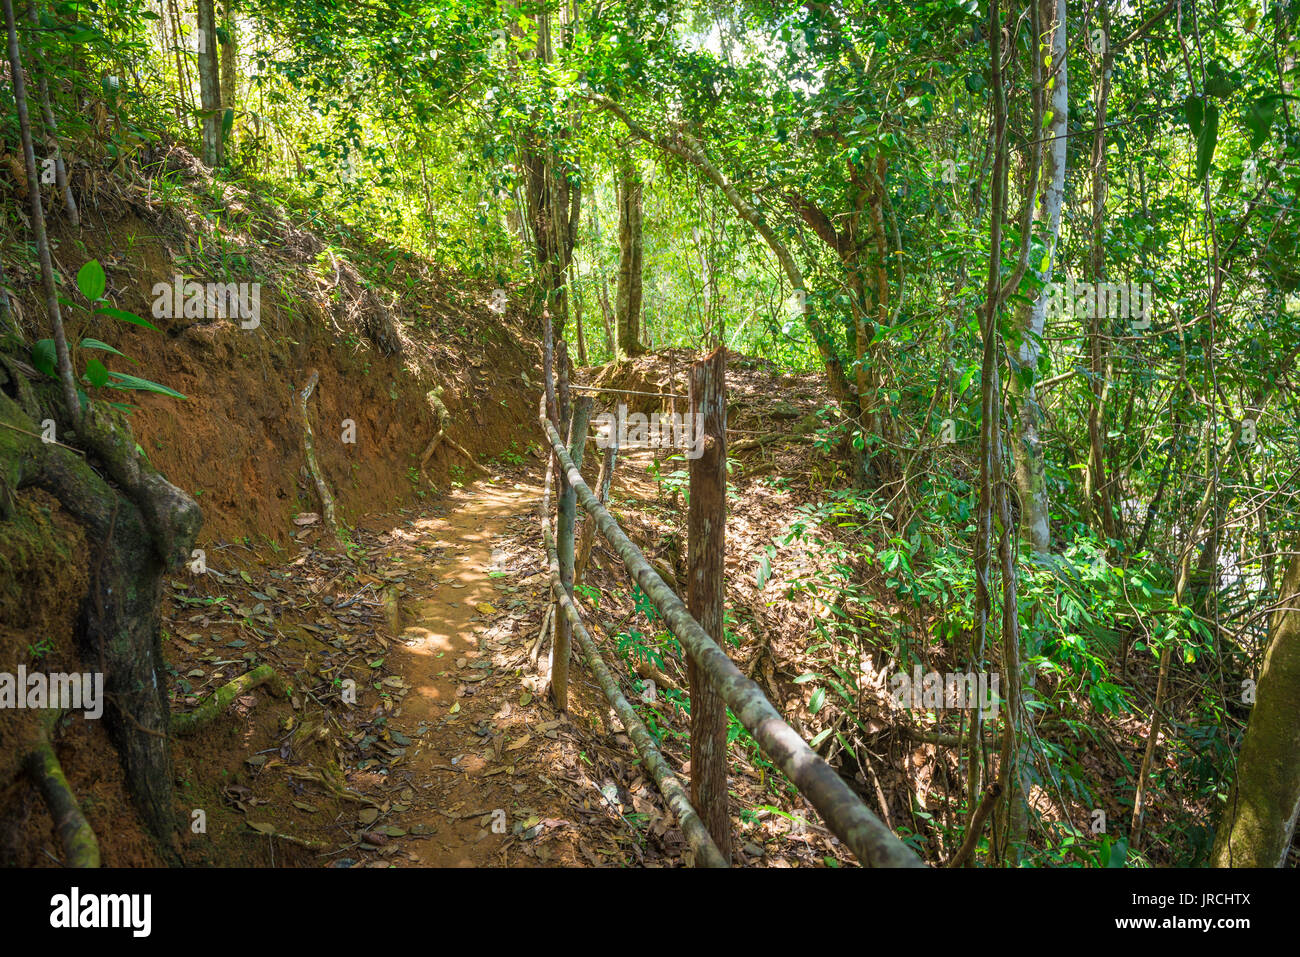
(187, 722)
(267, 831)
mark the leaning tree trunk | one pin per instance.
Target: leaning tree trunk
(683, 144)
(1260, 818)
(627, 304)
(142, 525)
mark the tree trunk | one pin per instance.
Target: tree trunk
(602, 284)
(577, 317)
(209, 83)
(1099, 360)
(229, 76)
(39, 70)
(64, 361)
(627, 303)
(707, 520)
(1260, 817)
(554, 205)
(118, 626)
(1026, 445)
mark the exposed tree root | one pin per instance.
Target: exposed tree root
(139, 527)
(309, 444)
(80, 847)
(444, 419)
(362, 302)
(541, 636)
(798, 432)
(214, 704)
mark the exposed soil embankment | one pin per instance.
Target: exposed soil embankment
(379, 325)
(402, 353)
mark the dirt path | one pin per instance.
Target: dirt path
(450, 754)
(475, 798)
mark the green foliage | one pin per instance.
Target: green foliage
(92, 283)
(859, 136)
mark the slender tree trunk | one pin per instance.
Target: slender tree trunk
(1099, 361)
(1181, 580)
(602, 285)
(38, 69)
(184, 95)
(229, 74)
(1026, 445)
(64, 362)
(1010, 818)
(163, 44)
(577, 317)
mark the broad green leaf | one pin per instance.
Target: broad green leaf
(1258, 119)
(125, 316)
(91, 280)
(96, 373)
(89, 343)
(44, 357)
(1207, 140)
(1194, 110)
(120, 380)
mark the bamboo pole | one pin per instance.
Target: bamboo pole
(560, 647)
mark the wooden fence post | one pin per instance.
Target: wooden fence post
(564, 527)
(562, 386)
(602, 495)
(706, 589)
(548, 371)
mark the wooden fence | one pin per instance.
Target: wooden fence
(715, 681)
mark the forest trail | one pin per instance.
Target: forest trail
(450, 754)
(473, 793)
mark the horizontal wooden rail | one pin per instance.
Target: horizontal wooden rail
(706, 852)
(871, 842)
